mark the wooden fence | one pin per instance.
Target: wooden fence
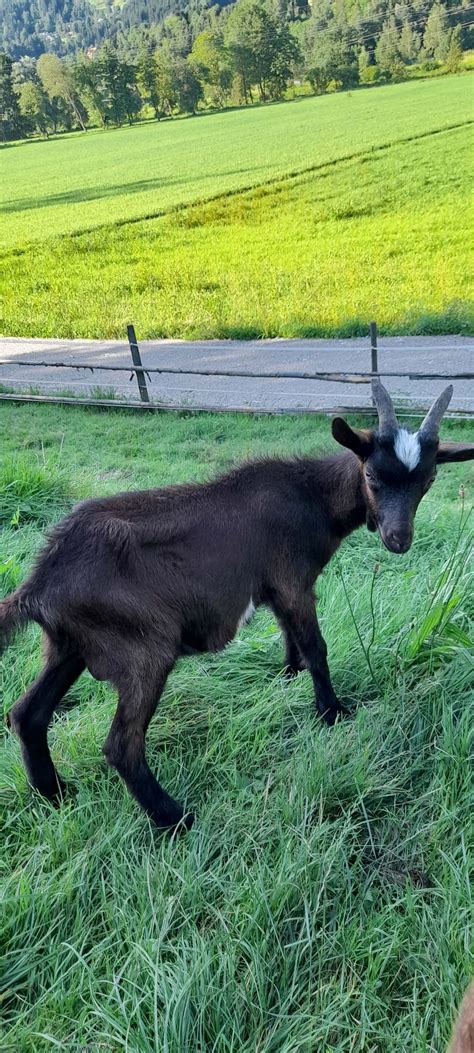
(141, 373)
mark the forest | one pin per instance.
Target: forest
(69, 64)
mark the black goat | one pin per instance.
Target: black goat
(130, 583)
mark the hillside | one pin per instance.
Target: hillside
(30, 27)
(61, 26)
(78, 182)
(64, 26)
(373, 224)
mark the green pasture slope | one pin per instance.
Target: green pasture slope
(86, 179)
(321, 254)
(322, 902)
(376, 228)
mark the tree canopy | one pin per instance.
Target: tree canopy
(175, 61)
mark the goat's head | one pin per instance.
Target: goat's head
(398, 466)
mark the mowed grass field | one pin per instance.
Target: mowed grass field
(322, 901)
(379, 234)
(86, 179)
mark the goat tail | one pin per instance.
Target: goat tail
(14, 615)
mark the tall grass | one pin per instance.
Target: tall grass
(322, 902)
(31, 493)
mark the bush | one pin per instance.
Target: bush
(429, 66)
(468, 60)
(372, 75)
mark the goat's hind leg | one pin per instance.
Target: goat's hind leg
(125, 745)
(31, 715)
(294, 662)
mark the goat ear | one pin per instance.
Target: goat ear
(454, 451)
(361, 442)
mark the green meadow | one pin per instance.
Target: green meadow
(83, 180)
(379, 236)
(322, 901)
(300, 218)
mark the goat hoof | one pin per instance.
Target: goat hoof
(55, 793)
(64, 790)
(182, 826)
(333, 712)
(292, 668)
(176, 823)
(290, 671)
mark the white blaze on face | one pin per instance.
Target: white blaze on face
(247, 615)
(407, 448)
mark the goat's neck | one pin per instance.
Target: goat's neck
(340, 483)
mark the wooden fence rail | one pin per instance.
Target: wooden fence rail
(141, 372)
(337, 378)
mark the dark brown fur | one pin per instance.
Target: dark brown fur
(130, 583)
(462, 1038)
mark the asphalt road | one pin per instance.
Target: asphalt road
(433, 354)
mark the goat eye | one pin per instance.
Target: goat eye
(374, 485)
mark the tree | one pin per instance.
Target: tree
(188, 87)
(33, 103)
(363, 60)
(211, 63)
(108, 87)
(287, 56)
(165, 90)
(369, 73)
(331, 60)
(240, 49)
(454, 55)
(10, 116)
(118, 85)
(147, 78)
(89, 87)
(409, 43)
(387, 52)
(262, 48)
(176, 35)
(57, 82)
(436, 35)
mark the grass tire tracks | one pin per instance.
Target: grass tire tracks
(293, 174)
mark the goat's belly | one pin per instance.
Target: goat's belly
(193, 642)
(213, 633)
(197, 640)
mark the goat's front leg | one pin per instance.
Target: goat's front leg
(298, 616)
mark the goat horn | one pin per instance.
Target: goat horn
(429, 428)
(384, 406)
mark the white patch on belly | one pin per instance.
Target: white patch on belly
(247, 615)
(407, 448)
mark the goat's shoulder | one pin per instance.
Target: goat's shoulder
(279, 473)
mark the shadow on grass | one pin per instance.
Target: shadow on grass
(97, 192)
(457, 318)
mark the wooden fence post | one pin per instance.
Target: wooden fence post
(135, 352)
(374, 361)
